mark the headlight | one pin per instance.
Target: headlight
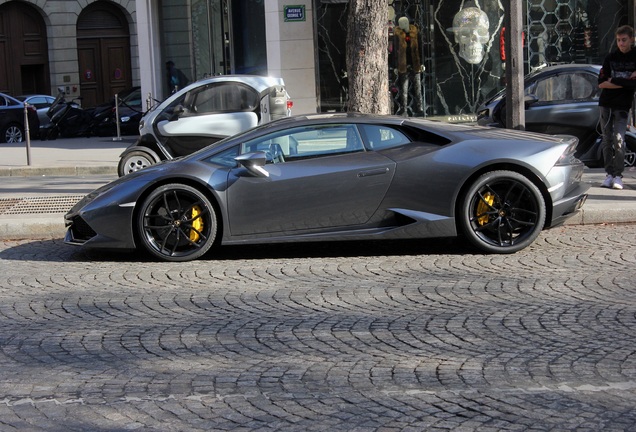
(125, 119)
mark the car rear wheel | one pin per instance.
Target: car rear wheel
(177, 223)
(502, 212)
(134, 161)
(12, 133)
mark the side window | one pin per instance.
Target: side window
(307, 142)
(39, 102)
(567, 87)
(380, 137)
(554, 88)
(585, 86)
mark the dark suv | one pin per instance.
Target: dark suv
(561, 99)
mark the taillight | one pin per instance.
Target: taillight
(290, 104)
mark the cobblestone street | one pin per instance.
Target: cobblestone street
(394, 336)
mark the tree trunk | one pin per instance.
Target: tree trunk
(367, 59)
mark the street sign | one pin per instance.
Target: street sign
(294, 13)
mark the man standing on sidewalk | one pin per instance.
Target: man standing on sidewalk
(617, 84)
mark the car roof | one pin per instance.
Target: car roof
(258, 82)
(554, 69)
(33, 95)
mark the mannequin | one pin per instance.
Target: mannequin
(409, 64)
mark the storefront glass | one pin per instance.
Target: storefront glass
(213, 37)
(446, 57)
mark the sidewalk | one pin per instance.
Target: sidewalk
(40, 214)
(63, 157)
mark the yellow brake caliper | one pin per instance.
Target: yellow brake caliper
(197, 224)
(483, 207)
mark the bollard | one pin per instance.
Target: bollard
(118, 138)
(27, 133)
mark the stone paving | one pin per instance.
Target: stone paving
(394, 336)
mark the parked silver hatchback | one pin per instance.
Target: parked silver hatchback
(202, 113)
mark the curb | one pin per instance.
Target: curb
(57, 171)
(35, 227)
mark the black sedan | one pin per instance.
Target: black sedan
(12, 127)
(561, 99)
(340, 177)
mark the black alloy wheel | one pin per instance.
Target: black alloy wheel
(502, 212)
(177, 223)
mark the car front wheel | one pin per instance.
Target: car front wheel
(177, 223)
(502, 212)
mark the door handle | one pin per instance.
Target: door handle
(373, 172)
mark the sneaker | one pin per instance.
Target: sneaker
(618, 183)
(608, 182)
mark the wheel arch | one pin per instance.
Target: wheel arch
(520, 169)
(147, 149)
(145, 143)
(214, 200)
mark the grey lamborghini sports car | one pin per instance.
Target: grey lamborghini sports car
(340, 177)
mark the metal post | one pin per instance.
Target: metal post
(515, 112)
(118, 138)
(27, 133)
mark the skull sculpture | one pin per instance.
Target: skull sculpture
(470, 26)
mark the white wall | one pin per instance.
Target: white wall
(149, 50)
(290, 53)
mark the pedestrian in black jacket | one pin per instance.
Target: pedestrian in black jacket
(617, 81)
(176, 79)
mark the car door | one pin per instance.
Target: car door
(207, 114)
(324, 180)
(566, 103)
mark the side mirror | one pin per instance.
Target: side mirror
(254, 163)
(530, 99)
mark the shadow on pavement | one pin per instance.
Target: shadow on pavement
(54, 250)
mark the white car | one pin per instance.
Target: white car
(202, 113)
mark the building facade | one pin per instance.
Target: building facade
(86, 49)
(445, 56)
